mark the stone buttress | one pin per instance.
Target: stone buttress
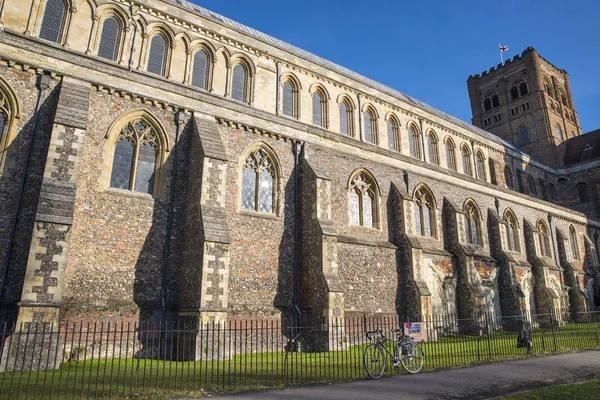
(573, 278)
(44, 278)
(547, 278)
(322, 291)
(204, 280)
(475, 272)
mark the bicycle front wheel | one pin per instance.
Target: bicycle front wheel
(411, 356)
(374, 359)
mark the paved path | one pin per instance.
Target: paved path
(480, 382)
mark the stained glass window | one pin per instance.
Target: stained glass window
(258, 183)
(109, 40)
(135, 158)
(53, 20)
(200, 70)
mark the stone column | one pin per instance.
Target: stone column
(42, 289)
(203, 294)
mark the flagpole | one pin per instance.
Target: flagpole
(501, 56)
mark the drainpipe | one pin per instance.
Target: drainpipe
(42, 84)
(179, 123)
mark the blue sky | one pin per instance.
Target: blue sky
(428, 48)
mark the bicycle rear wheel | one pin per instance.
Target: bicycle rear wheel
(374, 359)
(411, 356)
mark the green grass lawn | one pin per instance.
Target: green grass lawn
(120, 377)
(584, 391)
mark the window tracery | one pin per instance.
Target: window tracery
(259, 183)
(472, 221)
(363, 201)
(424, 207)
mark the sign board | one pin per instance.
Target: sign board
(416, 330)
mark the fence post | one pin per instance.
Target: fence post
(487, 332)
(553, 332)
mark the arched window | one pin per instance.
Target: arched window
(53, 21)
(109, 39)
(363, 200)
(259, 180)
(370, 122)
(319, 108)
(346, 118)
(414, 141)
(451, 154)
(531, 184)
(472, 223)
(563, 98)
(9, 112)
(512, 231)
(574, 244)
(135, 158)
(508, 178)
(424, 207)
(157, 55)
(518, 89)
(490, 101)
(393, 133)
(523, 90)
(466, 159)
(200, 69)
(523, 135)
(582, 189)
(480, 165)
(543, 239)
(290, 103)
(239, 83)
(548, 88)
(559, 133)
(432, 147)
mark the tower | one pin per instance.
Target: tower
(528, 102)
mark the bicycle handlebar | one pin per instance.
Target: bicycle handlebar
(378, 332)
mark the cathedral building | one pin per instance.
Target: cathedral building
(158, 160)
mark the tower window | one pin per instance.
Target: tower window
(582, 189)
(518, 89)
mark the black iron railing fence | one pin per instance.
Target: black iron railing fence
(77, 360)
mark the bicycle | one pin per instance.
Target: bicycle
(406, 352)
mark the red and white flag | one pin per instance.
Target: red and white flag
(503, 48)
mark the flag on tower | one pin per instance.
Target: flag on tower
(502, 50)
